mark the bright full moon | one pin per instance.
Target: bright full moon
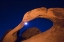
(25, 23)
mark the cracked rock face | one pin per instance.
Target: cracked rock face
(56, 32)
(30, 32)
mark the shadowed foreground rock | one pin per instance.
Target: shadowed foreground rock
(30, 32)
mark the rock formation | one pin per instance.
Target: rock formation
(30, 32)
(12, 35)
(5, 34)
(56, 32)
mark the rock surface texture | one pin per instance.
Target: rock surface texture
(56, 32)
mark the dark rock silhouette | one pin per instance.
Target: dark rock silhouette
(30, 32)
(26, 34)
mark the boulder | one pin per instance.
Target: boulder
(30, 32)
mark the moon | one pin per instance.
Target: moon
(25, 23)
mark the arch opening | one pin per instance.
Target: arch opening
(41, 23)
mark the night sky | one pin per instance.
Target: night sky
(12, 11)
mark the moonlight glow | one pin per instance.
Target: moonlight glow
(25, 23)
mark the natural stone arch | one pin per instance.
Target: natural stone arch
(55, 33)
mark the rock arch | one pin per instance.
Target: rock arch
(56, 32)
